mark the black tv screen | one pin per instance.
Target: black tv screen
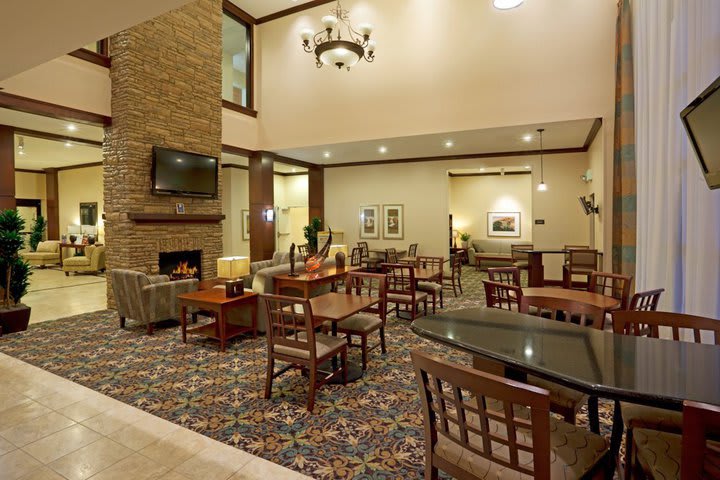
(702, 120)
(184, 173)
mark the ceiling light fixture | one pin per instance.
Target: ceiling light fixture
(326, 154)
(542, 187)
(382, 149)
(527, 167)
(338, 52)
(528, 137)
(71, 127)
(506, 4)
(68, 144)
(21, 145)
(449, 143)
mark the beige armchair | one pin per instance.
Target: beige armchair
(148, 298)
(47, 253)
(92, 261)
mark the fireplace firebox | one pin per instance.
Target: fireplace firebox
(181, 265)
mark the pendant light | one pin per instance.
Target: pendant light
(542, 187)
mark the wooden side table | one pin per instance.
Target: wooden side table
(215, 301)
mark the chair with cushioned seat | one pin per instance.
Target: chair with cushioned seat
(371, 319)
(432, 288)
(649, 323)
(612, 285)
(452, 279)
(580, 262)
(401, 289)
(506, 275)
(371, 264)
(92, 261)
(292, 339)
(356, 257)
(481, 426)
(502, 295)
(646, 301)
(520, 259)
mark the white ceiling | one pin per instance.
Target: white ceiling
(40, 123)
(40, 153)
(35, 32)
(261, 8)
(569, 134)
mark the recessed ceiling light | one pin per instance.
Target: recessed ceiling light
(20, 152)
(68, 144)
(527, 167)
(482, 169)
(449, 143)
(179, 160)
(294, 170)
(527, 138)
(506, 4)
(382, 149)
(71, 127)
(326, 154)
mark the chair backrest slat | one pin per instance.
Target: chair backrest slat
(481, 408)
(391, 255)
(613, 285)
(502, 296)
(370, 285)
(583, 311)
(400, 278)
(574, 247)
(412, 250)
(356, 257)
(583, 258)
(646, 301)
(509, 275)
(290, 322)
(648, 323)
(365, 249)
(698, 458)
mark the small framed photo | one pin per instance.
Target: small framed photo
(394, 227)
(369, 219)
(503, 224)
(246, 224)
(180, 208)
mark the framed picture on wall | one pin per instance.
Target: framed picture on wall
(394, 223)
(503, 224)
(369, 221)
(246, 224)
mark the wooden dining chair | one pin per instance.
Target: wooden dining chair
(401, 289)
(370, 320)
(502, 295)
(452, 280)
(612, 285)
(646, 301)
(372, 264)
(482, 426)
(650, 323)
(563, 400)
(507, 275)
(686, 456)
(432, 288)
(581, 262)
(412, 250)
(292, 339)
(391, 255)
(520, 260)
(573, 247)
(304, 251)
(356, 257)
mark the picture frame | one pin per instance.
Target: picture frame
(369, 221)
(246, 224)
(393, 222)
(503, 224)
(180, 208)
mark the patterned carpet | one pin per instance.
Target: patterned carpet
(370, 429)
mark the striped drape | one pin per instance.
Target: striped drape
(624, 174)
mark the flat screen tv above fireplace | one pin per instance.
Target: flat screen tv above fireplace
(184, 173)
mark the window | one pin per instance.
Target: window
(237, 63)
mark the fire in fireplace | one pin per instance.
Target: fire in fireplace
(181, 265)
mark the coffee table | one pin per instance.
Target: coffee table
(479, 257)
(215, 301)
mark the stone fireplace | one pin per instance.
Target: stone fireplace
(181, 265)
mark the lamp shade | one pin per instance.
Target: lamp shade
(339, 57)
(455, 234)
(337, 248)
(233, 267)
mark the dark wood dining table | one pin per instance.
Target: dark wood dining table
(536, 269)
(596, 299)
(336, 307)
(648, 371)
(306, 282)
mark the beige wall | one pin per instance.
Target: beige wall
(32, 186)
(235, 199)
(478, 67)
(425, 192)
(603, 196)
(471, 198)
(75, 186)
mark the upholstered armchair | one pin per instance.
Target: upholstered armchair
(148, 298)
(93, 260)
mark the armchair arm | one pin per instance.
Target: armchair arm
(160, 299)
(471, 254)
(158, 278)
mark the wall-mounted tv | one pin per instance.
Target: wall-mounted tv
(701, 119)
(184, 173)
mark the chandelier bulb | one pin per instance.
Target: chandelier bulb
(329, 21)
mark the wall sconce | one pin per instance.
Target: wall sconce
(269, 214)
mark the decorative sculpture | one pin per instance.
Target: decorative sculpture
(292, 262)
(313, 263)
(340, 260)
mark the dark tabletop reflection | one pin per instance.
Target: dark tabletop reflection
(656, 372)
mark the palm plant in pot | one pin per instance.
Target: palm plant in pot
(14, 274)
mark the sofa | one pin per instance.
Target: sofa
(148, 298)
(47, 253)
(498, 247)
(263, 282)
(278, 258)
(93, 260)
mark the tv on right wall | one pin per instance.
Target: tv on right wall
(702, 122)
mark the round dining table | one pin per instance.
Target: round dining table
(596, 299)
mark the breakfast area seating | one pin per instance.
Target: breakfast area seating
(493, 252)
(47, 253)
(92, 261)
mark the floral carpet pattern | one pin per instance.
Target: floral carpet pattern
(369, 429)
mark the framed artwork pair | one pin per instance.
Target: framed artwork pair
(392, 221)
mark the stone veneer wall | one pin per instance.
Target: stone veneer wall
(166, 90)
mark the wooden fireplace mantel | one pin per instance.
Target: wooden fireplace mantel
(159, 218)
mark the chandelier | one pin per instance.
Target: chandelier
(337, 51)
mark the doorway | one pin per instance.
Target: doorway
(28, 209)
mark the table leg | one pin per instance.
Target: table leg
(593, 414)
(183, 322)
(253, 317)
(536, 273)
(616, 437)
(221, 322)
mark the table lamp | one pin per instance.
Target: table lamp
(233, 267)
(455, 235)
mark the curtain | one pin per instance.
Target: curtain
(624, 189)
(677, 55)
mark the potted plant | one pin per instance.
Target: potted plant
(311, 233)
(464, 238)
(14, 274)
(38, 231)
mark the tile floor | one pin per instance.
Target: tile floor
(54, 429)
(53, 295)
